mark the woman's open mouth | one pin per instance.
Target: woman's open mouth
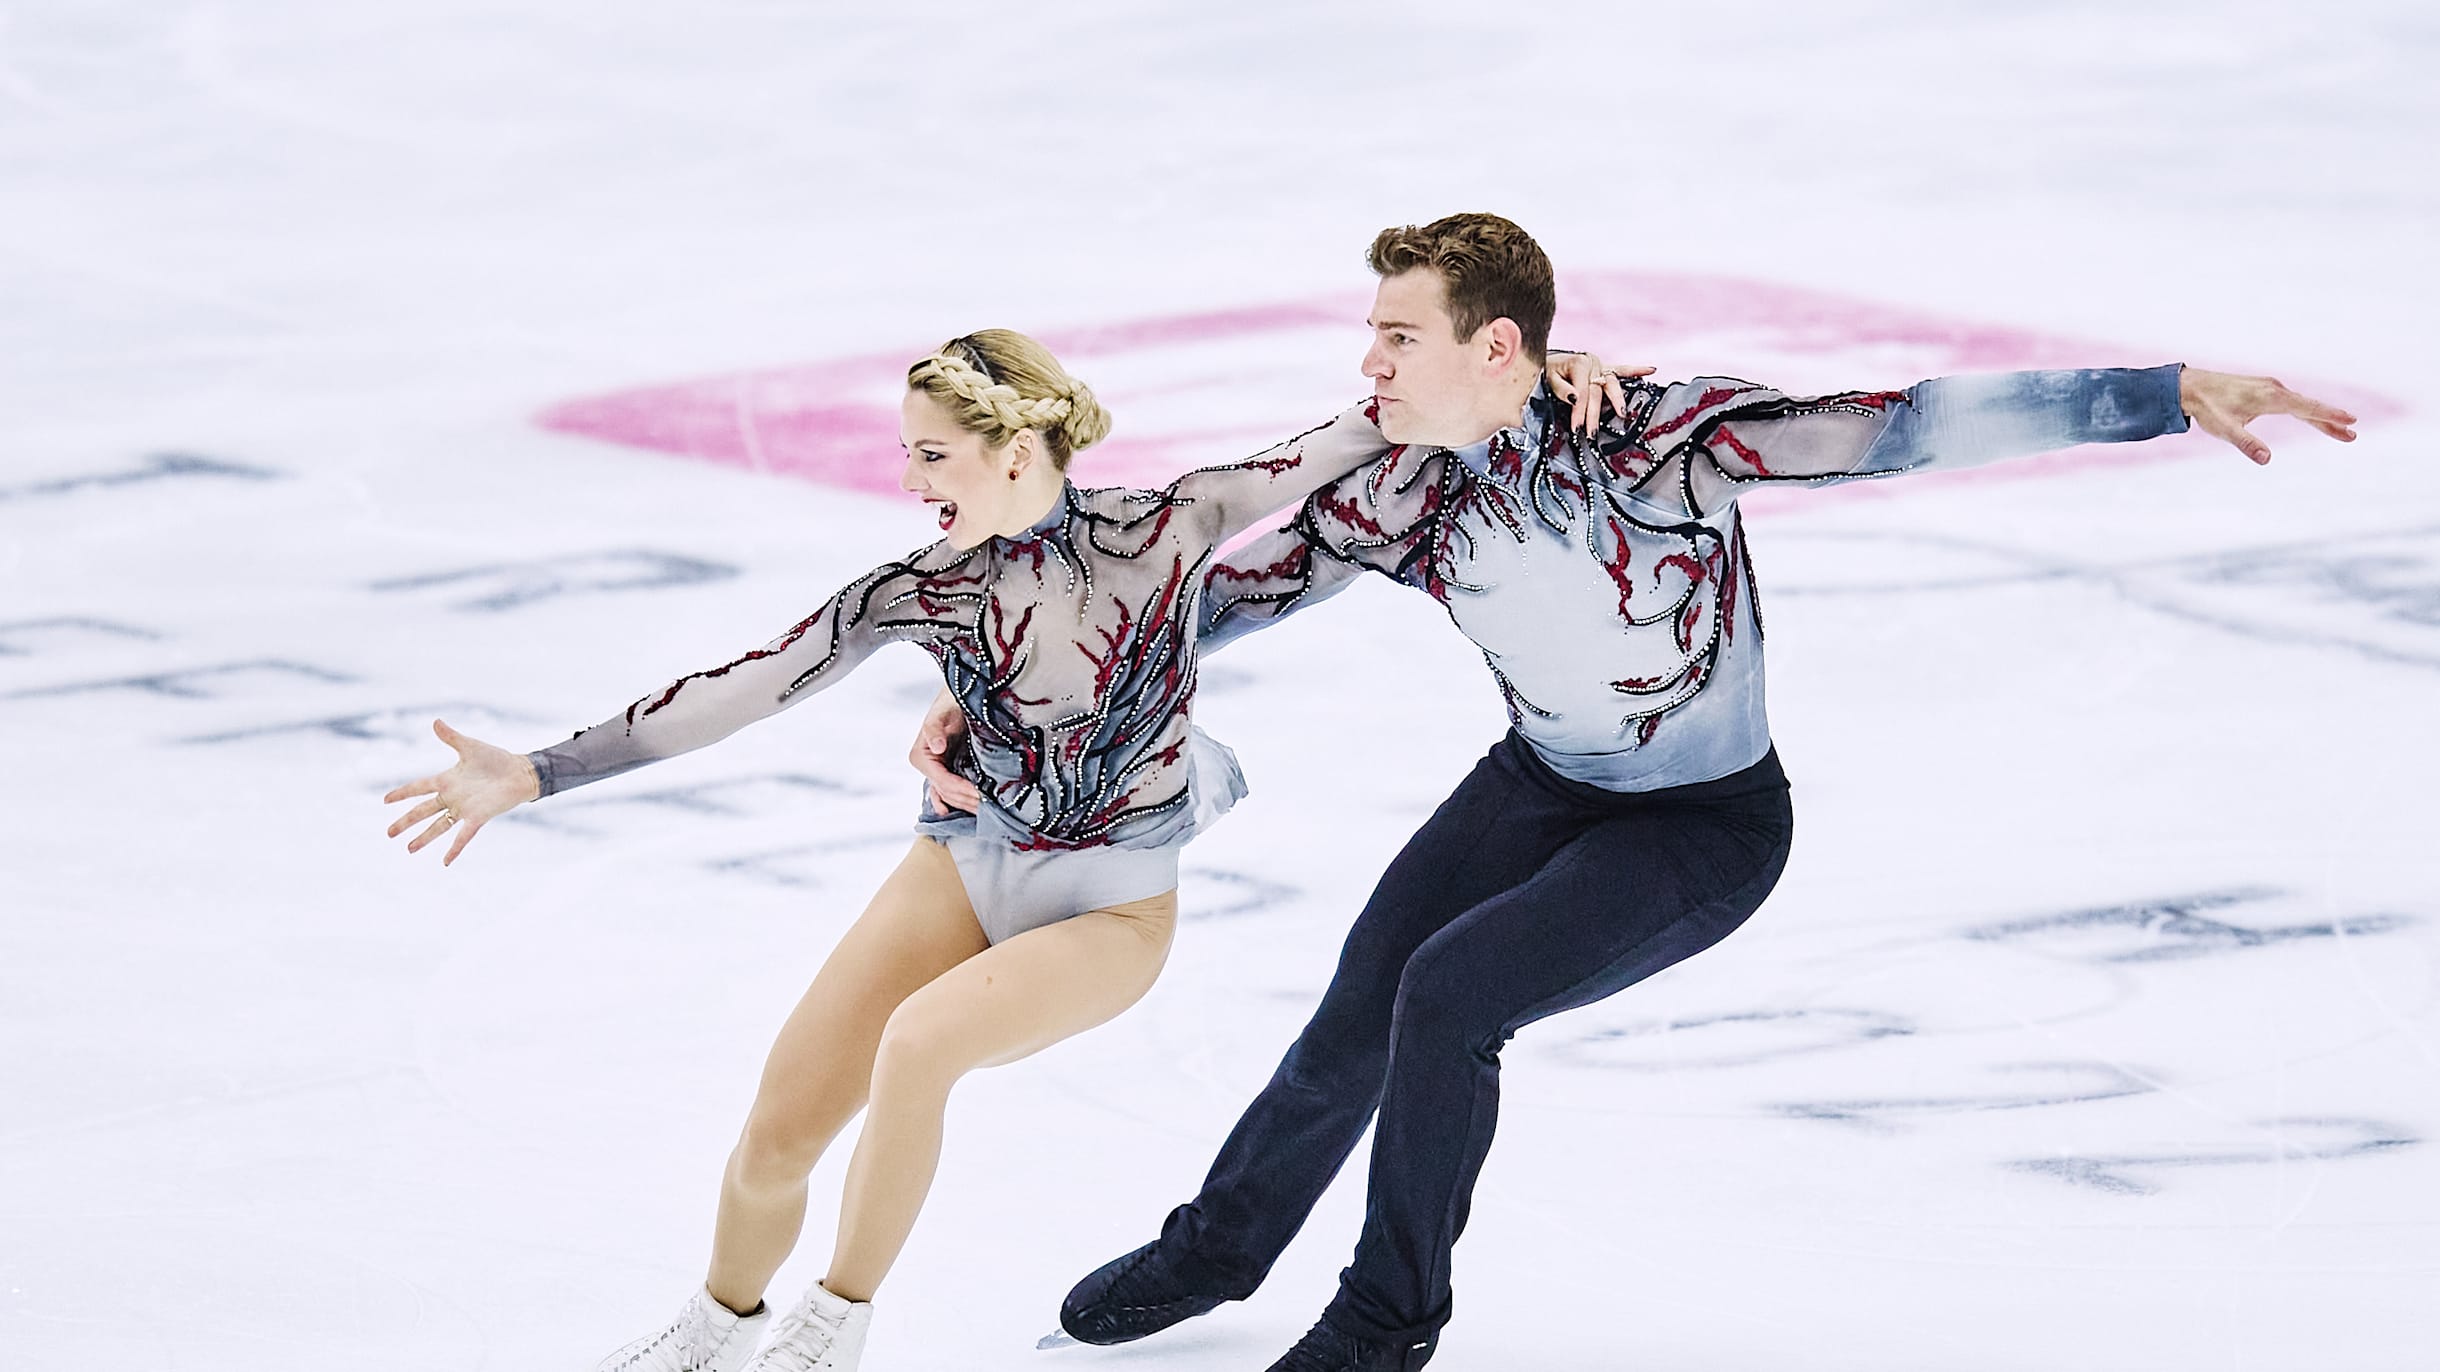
(948, 513)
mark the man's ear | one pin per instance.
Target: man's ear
(1504, 345)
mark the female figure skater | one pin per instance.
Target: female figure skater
(1063, 623)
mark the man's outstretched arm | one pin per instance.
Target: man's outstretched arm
(1705, 441)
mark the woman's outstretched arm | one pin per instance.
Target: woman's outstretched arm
(1236, 496)
(892, 601)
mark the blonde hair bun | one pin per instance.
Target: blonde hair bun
(1087, 423)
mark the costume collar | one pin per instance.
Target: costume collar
(1051, 519)
(1533, 417)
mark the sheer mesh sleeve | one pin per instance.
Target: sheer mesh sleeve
(894, 601)
(1266, 581)
(1381, 517)
(1691, 448)
(1234, 497)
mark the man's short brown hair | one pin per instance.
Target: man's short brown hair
(1492, 270)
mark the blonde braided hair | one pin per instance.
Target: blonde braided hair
(998, 382)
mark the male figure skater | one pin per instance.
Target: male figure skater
(1634, 815)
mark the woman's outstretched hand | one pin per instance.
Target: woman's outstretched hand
(943, 725)
(485, 783)
(1581, 380)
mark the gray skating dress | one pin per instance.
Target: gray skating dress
(1071, 648)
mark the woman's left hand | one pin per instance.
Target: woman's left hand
(485, 783)
(1579, 378)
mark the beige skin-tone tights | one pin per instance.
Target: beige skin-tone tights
(912, 999)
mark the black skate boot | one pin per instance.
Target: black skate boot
(1327, 1348)
(1141, 1293)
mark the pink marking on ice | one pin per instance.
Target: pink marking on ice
(1196, 328)
(807, 421)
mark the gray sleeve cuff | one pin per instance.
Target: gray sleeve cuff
(544, 773)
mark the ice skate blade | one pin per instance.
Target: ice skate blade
(1057, 1338)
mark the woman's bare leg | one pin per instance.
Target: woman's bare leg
(1017, 999)
(918, 926)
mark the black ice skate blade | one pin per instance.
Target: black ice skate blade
(1057, 1338)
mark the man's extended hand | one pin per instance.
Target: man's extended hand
(2222, 405)
(943, 726)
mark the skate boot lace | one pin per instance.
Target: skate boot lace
(1148, 1283)
(799, 1341)
(686, 1345)
(1136, 1287)
(1324, 1349)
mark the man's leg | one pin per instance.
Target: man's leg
(1636, 893)
(1496, 829)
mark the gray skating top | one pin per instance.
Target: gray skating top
(1070, 645)
(1606, 580)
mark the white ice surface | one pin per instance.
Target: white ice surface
(274, 1096)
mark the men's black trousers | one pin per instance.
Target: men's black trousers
(1525, 894)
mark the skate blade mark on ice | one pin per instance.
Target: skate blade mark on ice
(776, 803)
(1736, 1039)
(750, 795)
(2083, 1083)
(807, 866)
(2115, 1173)
(2173, 929)
(1215, 893)
(161, 468)
(46, 637)
(186, 683)
(405, 724)
(2373, 595)
(504, 586)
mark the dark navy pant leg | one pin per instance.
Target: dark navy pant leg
(1492, 832)
(1638, 891)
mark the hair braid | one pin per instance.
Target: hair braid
(1036, 392)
